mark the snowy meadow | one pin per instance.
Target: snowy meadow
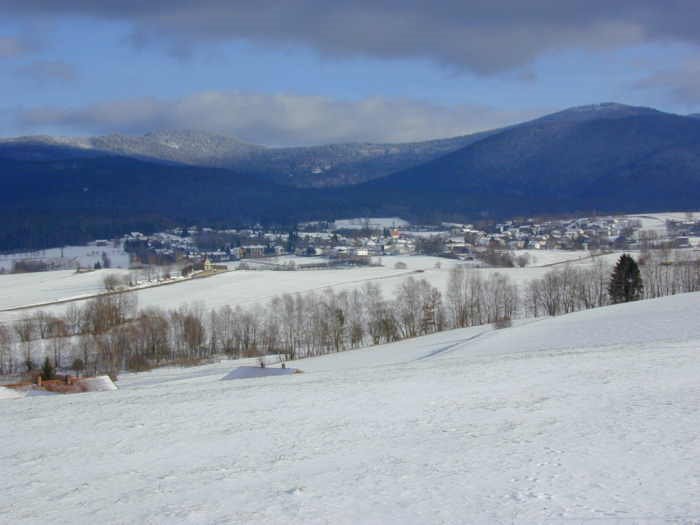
(590, 416)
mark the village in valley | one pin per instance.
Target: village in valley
(322, 244)
(197, 321)
(177, 275)
(350, 241)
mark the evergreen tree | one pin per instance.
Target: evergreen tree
(625, 282)
(47, 371)
(292, 239)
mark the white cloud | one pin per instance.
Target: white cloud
(681, 83)
(278, 119)
(11, 47)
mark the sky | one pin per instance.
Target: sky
(311, 71)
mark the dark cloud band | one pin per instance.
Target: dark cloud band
(484, 36)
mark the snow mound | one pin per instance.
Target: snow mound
(648, 322)
(247, 372)
(97, 384)
(9, 393)
(39, 392)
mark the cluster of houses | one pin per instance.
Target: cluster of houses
(683, 230)
(367, 238)
(179, 244)
(572, 234)
(359, 240)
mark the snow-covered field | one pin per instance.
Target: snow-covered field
(591, 417)
(246, 288)
(657, 221)
(70, 256)
(373, 222)
(25, 289)
(552, 257)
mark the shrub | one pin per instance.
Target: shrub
(29, 364)
(502, 323)
(78, 365)
(138, 363)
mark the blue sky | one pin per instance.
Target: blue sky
(70, 68)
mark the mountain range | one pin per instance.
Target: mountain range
(315, 166)
(605, 157)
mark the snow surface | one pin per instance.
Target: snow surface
(97, 384)
(244, 287)
(657, 221)
(552, 257)
(590, 417)
(373, 222)
(85, 256)
(9, 393)
(41, 287)
(249, 372)
(250, 287)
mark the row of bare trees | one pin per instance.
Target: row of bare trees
(669, 272)
(64, 336)
(569, 289)
(566, 290)
(109, 334)
(474, 300)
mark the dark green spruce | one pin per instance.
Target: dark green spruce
(625, 282)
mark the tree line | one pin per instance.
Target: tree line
(109, 333)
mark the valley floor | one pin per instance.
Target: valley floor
(592, 416)
(56, 290)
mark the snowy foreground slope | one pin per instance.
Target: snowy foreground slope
(591, 416)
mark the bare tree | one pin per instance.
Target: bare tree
(73, 317)
(192, 331)
(42, 322)
(380, 322)
(58, 334)
(5, 350)
(500, 298)
(25, 330)
(409, 308)
(113, 349)
(108, 311)
(151, 333)
(111, 282)
(356, 318)
(226, 321)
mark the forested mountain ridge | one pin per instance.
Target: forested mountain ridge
(313, 166)
(604, 158)
(618, 158)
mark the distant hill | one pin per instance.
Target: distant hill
(607, 157)
(69, 201)
(315, 166)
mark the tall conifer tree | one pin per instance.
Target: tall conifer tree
(625, 282)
